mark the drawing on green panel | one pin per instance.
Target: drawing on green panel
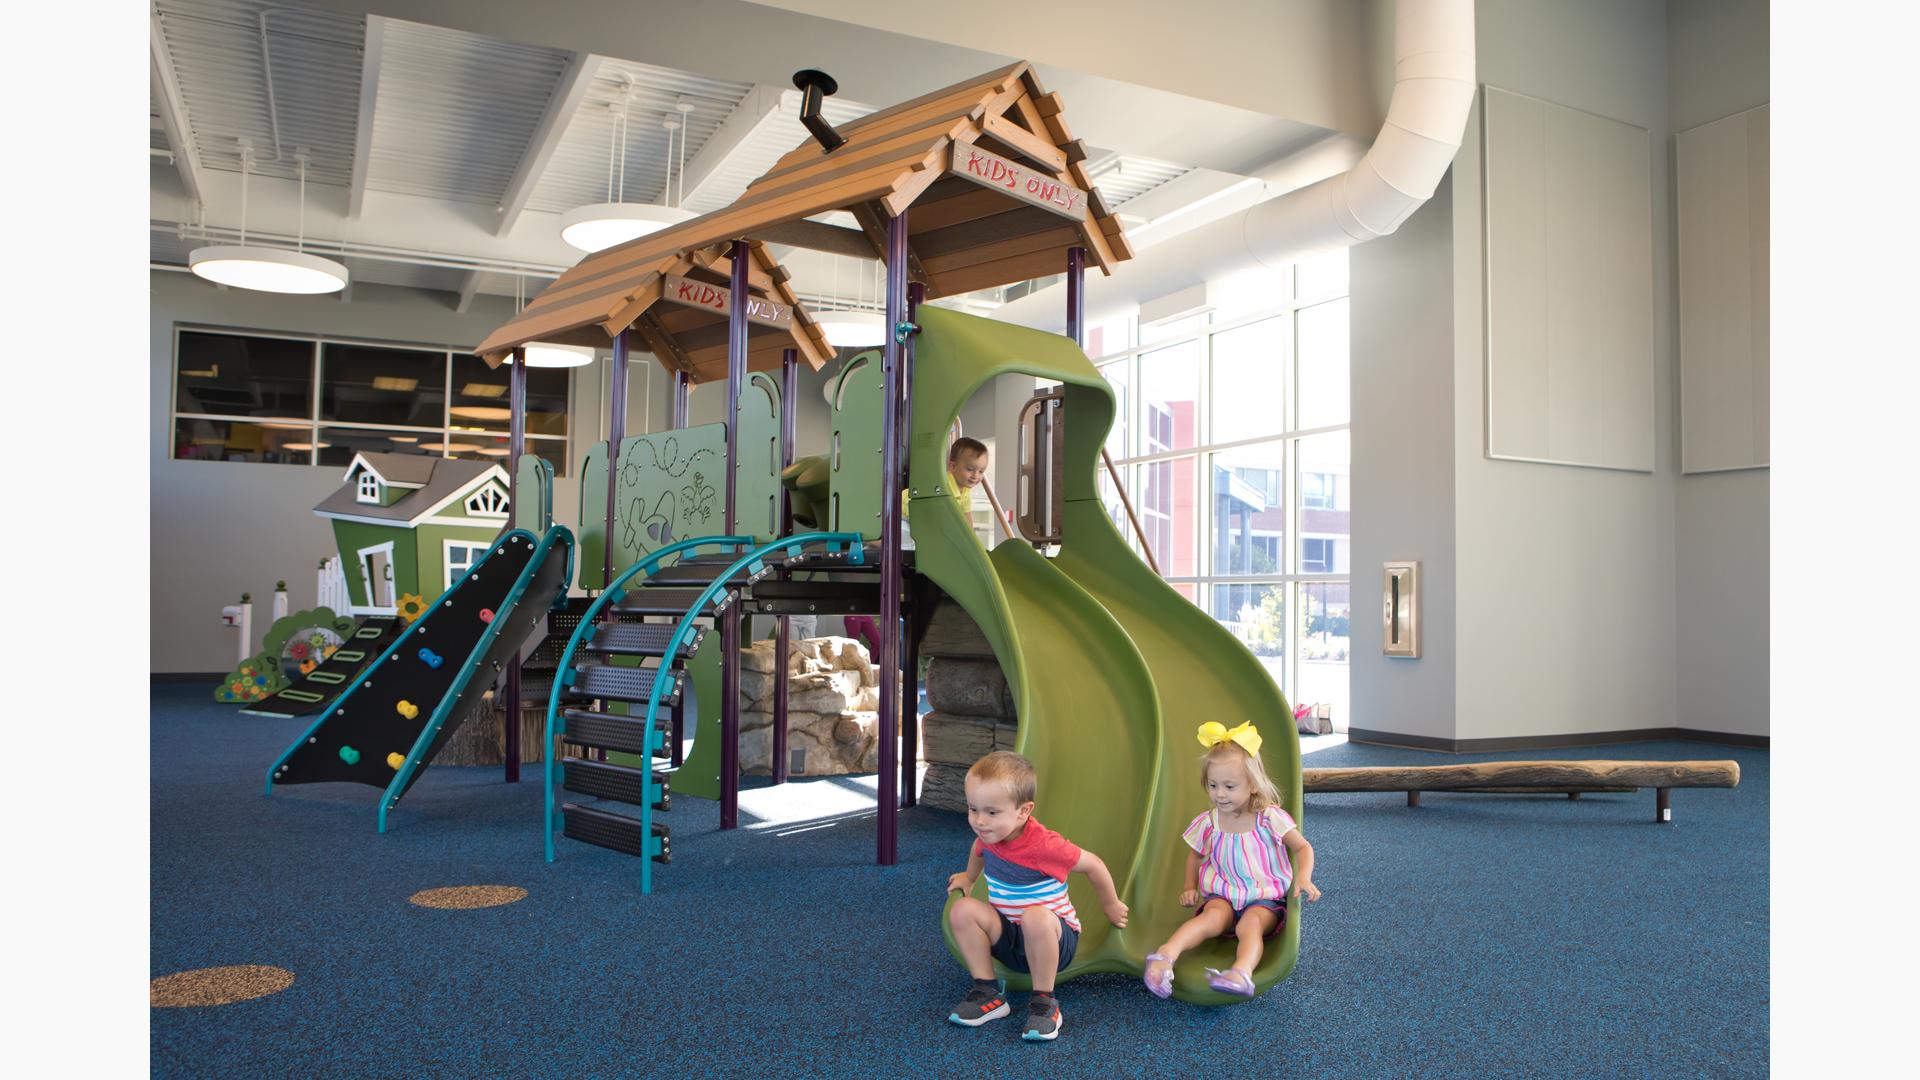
(294, 645)
(670, 487)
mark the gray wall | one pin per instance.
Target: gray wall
(1403, 505)
(1717, 51)
(223, 528)
(1566, 575)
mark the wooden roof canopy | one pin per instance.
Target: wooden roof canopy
(679, 305)
(997, 185)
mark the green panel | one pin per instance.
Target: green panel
(533, 510)
(757, 471)
(1100, 653)
(671, 487)
(592, 530)
(699, 774)
(853, 501)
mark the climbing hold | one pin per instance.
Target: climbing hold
(486, 614)
(407, 709)
(430, 658)
(394, 761)
(349, 755)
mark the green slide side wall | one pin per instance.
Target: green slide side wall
(592, 528)
(1112, 670)
(534, 481)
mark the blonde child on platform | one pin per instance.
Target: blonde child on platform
(1247, 861)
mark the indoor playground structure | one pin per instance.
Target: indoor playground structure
(686, 531)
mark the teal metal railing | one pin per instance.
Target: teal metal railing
(754, 563)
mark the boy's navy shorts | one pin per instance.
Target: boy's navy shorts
(1011, 949)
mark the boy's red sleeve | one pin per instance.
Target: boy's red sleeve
(1055, 856)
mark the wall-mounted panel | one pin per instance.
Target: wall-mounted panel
(1569, 289)
(1721, 179)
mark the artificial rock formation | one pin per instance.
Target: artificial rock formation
(832, 700)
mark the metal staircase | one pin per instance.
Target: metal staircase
(598, 670)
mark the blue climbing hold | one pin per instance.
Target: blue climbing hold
(430, 658)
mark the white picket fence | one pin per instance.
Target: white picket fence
(330, 585)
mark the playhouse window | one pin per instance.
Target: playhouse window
(369, 490)
(488, 502)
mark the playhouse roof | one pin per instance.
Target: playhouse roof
(678, 301)
(997, 183)
(441, 480)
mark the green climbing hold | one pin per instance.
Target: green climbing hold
(349, 755)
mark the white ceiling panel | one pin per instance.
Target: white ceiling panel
(455, 111)
(279, 77)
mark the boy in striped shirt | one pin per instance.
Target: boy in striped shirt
(1028, 923)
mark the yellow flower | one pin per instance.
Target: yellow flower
(411, 607)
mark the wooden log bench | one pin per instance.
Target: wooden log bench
(1571, 778)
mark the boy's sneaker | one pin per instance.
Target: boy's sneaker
(982, 1004)
(1043, 1019)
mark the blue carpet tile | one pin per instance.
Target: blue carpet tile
(1477, 935)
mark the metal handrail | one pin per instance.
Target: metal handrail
(753, 563)
(611, 594)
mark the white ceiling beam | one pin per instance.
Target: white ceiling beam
(567, 98)
(363, 128)
(469, 287)
(173, 116)
(759, 108)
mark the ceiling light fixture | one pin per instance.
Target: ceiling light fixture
(268, 269)
(481, 412)
(603, 225)
(850, 327)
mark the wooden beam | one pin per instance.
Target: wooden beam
(363, 126)
(568, 95)
(1561, 775)
(1040, 150)
(173, 115)
(873, 218)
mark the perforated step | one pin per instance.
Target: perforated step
(630, 684)
(605, 731)
(693, 573)
(617, 782)
(641, 639)
(650, 601)
(609, 830)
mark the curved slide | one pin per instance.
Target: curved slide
(1111, 668)
(387, 726)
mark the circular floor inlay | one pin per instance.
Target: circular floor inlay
(219, 985)
(468, 896)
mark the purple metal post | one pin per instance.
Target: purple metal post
(730, 620)
(782, 632)
(1077, 295)
(516, 445)
(887, 663)
(910, 661)
(616, 433)
(682, 394)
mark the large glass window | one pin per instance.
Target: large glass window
(281, 399)
(1237, 460)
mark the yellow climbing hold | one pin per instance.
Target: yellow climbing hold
(394, 761)
(407, 709)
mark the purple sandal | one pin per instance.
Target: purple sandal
(1231, 981)
(1162, 988)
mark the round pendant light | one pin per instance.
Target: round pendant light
(607, 224)
(268, 269)
(604, 225)
(543, 355)
(852, 329)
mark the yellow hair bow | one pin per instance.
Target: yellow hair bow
(1213, 733)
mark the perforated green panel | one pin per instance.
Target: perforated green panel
(853, 500)
(757, 472)
(670, 487)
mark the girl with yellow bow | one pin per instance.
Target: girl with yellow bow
(1247, 859)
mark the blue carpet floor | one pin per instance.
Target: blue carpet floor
(1477, 935)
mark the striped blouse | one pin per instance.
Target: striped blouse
(1247, 866)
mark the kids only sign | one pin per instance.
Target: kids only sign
(714, 298)
(994, 171)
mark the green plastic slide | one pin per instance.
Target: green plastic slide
(1113, 670)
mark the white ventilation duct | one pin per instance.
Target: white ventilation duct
(1433, 89)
